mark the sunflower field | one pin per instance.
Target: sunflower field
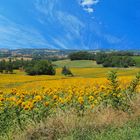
(35, 101)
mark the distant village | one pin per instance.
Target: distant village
(46, 53)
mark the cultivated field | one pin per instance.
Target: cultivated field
(21, 80)
(57, 107)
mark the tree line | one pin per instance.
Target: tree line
(31, 67)
(45, 67)
(6, 66)
(40, 67)
(82, 55)
(111, 59)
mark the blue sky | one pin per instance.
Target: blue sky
(70, 24)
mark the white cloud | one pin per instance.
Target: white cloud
(47, 8)
(13, 35)
(69, 26)
(70, 23)
(50, 11)
(89, 2)
(88, 5)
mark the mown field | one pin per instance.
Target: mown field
(76, 64)
(86, 63)
(93, 104)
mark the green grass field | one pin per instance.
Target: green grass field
(86, 63)
(76, 64)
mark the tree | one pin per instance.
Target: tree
(66, 71)
(30, 71)
(2, 66)
(107, 62)
(129, 61)
(81, 55)
(113, 60)
(9, 66)
(41, 67)
(100, 58)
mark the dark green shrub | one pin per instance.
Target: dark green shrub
(66, 71)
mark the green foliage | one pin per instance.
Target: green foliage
(137, 60)
(114, 84)
(110, 60)
(100, 58)
(41, 67)
(114, 96)
(9, 67)
(121, 98)
(133, 85)
(81, 55)
(66, 71)
(2, 66)
(6, 66)
(6, 121)
(128, 131)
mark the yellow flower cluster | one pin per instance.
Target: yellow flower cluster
(74, 92)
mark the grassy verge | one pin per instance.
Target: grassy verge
(129, 131)
(102, 124)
